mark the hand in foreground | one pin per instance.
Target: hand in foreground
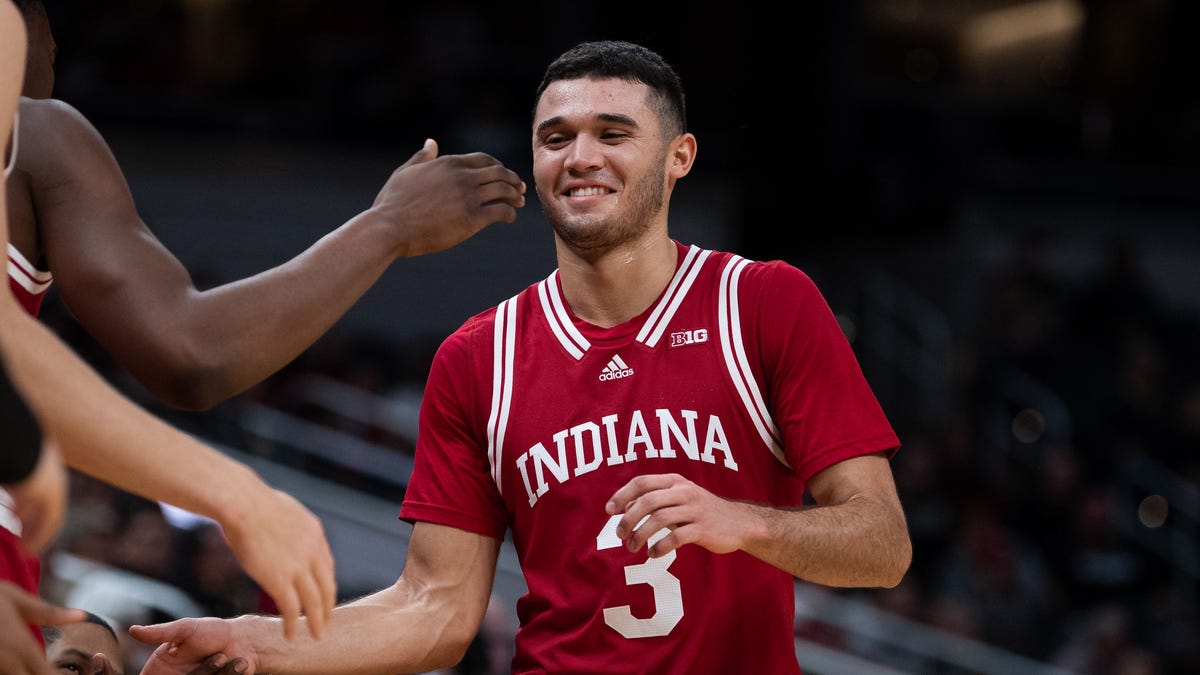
(20, 653)
(100, 665)
(41, 499)
(282, 546)
(194, 647)
(437, 202)
(217, 664)
(691, 514)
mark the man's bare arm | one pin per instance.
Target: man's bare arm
(856, 536)
(195, 348)
(423, 622)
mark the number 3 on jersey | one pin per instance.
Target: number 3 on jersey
(668, 598)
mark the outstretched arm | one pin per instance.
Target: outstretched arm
(423, 622)
(196, 348)
(101, 433)
(856, 536)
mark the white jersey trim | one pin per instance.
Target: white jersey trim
(503, 353)
(560, 321)
(29, 277)
(8, 517)
(730, 328)
(681, 282)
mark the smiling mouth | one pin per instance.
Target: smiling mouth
(587, 192)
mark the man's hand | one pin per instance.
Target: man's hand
(217, 664)
(102, 666)
(194, 647)
(437, 202)
(282, 546)
(692, 515)
(41, 499)
(20, 653)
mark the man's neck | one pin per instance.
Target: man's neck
(614, 287)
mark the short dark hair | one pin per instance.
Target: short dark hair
(627, 61)
(51, 634)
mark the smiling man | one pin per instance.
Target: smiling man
(646, 422)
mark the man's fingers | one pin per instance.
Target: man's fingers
(218, 664)
(38, 611)
(328, 586)
(498, 192)
(102, 666)
(160, 633)
(498, 173)
(635, 488)
(314, 605)
(427, 152)
(289, 610)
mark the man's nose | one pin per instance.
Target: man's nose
(586, 154)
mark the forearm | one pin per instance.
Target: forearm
(862, 542)
(200, 349)
(401, 629)
(105, 435)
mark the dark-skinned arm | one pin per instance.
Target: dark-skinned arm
(193, 348)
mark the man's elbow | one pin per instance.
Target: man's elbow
(449, 649)
(188, 383)
(899, 563)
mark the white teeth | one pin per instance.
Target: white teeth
(586, 192)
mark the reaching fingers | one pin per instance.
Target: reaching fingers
(427, 152)
(498, 191)
(25, 659)
(217, 664)
(313, 598)
(102, 666)
(288, 603)
(37, 611)
(498, 173)
(328, 585)
(162, 633)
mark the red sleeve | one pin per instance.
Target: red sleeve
(451, 482)
(820, 399)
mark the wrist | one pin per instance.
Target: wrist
(381, 233)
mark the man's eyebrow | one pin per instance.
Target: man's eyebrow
(549, 122)
(615, 118)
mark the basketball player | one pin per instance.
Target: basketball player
(281, 544)
(645, 421)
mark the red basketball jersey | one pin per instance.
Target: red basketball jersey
(738, 377)
(28, 283)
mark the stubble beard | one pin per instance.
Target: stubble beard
(593, 233)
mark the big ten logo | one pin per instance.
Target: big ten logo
(689, 337)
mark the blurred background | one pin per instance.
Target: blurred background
(998, 198)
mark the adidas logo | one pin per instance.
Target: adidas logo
(616, 369)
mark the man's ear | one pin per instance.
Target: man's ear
(681, 156)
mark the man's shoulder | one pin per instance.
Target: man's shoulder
(51, 127)
(52, 110)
